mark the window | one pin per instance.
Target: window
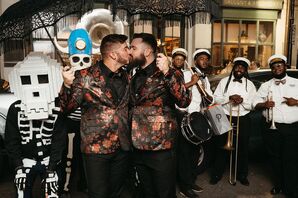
(168, 30)
(172, 35)
(253, 39)
(14, 52)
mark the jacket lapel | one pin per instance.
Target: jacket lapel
(100, 83)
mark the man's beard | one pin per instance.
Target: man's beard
(280, 76)
(238, 76)
(138, 61)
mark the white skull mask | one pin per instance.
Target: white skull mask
(80, 61)
(36, 82)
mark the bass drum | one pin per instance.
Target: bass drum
(196, 128)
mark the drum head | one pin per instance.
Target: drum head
(200, 125)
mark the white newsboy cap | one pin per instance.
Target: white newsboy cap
(241, 60)
(201, 51)
(180, 51)
(276, 58)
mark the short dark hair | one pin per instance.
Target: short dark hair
(148, 39)
(109, 40)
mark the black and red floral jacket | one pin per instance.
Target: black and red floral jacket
(104, 123)
(154, 125)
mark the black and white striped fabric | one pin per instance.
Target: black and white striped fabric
(76, 115)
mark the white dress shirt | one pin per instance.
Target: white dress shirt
(246, 90)
(196, 99)
(282, 113)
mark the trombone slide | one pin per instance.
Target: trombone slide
(233, 149)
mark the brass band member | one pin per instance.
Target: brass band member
(281, 135)
(188, 153)
(179, 56)
(102, 93)
(235, 91)
(155, 89)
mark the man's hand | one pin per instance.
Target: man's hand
(194, 79)
(68, 76)
(236, 99)
(269, 104)
(163, 63)
(290, 101)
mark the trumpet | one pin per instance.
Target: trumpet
(270, 116)
(230, 147)
(200, 86)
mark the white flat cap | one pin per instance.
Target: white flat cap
(180, 51)
(276, 58)
(242, 60)
(201, 51)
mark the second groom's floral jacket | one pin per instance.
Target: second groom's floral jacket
(154, 125)
(104, 124)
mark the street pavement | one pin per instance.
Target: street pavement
(259, 177)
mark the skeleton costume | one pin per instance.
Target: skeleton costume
(32, 133)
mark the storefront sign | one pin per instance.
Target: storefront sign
(257, 4)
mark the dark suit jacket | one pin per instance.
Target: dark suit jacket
(104, 124)
(154, 125)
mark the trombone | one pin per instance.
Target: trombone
(270, 113)
(230, 147)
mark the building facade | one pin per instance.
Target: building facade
(255, 29)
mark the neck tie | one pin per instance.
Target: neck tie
(277, 82)
(237, 80)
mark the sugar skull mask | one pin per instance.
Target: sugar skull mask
(79, 49)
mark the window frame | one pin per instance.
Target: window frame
(222, 43)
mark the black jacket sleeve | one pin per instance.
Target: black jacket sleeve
(13, 136)
(59, 140)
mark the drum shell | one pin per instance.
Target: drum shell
(196, 128)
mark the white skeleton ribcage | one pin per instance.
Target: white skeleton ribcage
(43, 134)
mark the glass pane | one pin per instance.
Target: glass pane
(45, 47)
(216, 54)
(172, 28)
(216, 31)
(231, 31)
(266, 32)
(148, 26)
(16, 53)
(170, 44)
(230, 52)
(143, 26)
(264, 52)
(248, 51)
(248, 32)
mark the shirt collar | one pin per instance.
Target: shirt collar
(149, 70)
(243, 78)
(286, 76)
(107, 72)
